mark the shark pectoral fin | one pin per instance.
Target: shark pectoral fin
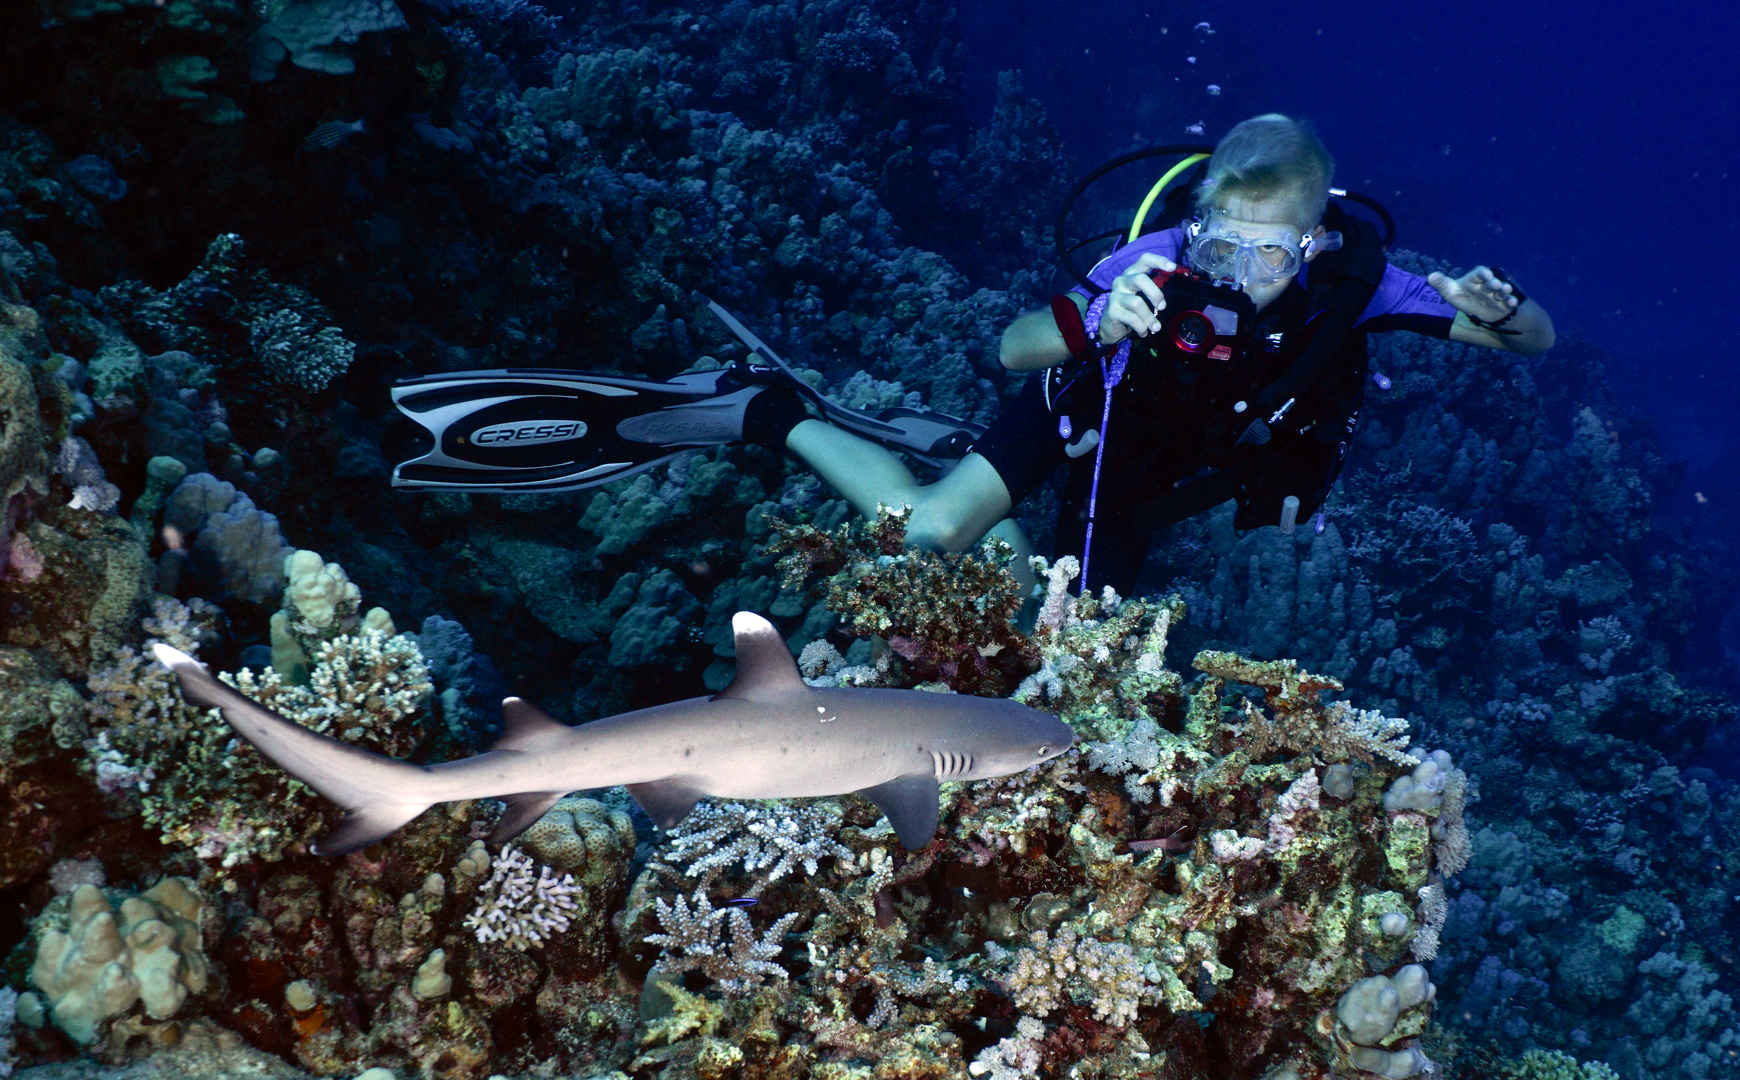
(363, 827)
(666, 801)
(911, 805)
(765, 670)
(524, 724)
(522, 813)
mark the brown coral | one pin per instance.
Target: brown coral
(949, 617)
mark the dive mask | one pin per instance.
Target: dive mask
(1246, 254)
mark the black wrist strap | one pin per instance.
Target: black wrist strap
(1501, 274)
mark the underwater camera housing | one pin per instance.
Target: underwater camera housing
(1203, 320)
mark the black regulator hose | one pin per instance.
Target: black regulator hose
(1065, 253)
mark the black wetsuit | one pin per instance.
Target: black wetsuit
(1169, 445)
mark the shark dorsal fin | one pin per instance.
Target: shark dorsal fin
(765, 669)
(524, 724)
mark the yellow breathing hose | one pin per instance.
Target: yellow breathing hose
(1154, 193)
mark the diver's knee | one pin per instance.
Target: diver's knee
(936, 529)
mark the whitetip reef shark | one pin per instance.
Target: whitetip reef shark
(769, 735)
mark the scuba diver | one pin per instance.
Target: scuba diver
(1224, 358)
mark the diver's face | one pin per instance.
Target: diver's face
(1254, 219)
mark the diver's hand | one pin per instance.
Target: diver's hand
(1135, 302)
(1477, 294)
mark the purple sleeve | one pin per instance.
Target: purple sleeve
(1165, 242)
(1405, 301)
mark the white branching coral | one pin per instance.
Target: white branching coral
(1450, 840)
(691, 940)
(1302, 795)
(1051, 971)
(1434, 909)
(520, 909)
(1011, 1059)
(768, 841)
(361, 683)
(1150, 759)
(1101, 658)
(1362, 733)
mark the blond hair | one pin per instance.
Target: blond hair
(1270, 158)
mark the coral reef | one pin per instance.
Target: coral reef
(1487, 660)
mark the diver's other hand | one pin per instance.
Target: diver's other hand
(1135, 301)
(1478, 294)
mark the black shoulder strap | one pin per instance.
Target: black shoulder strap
(1343, 283)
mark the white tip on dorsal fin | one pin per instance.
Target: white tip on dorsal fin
(524, 724)
(765, 669)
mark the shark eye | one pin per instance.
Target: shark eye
(1044, 750)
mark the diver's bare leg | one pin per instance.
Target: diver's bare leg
(949, 515)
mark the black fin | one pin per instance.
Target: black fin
(549, 429)
(911, 805)
(765, 670)
(523, 811)
(667, 802)
(524, 724)
(361, 828)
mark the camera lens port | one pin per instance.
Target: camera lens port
(1193, 331)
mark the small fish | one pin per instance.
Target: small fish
(744, 901)
(884, 909)
(1176, 844)
(331, 133)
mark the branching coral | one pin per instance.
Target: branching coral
(1299, 720)
(1102, 661)
(206, 790)
(1053, 970)
(949, 617)
(519, 909)
(690, 940)
(766, 841)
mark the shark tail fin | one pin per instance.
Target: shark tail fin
(378, 793)
(365, 826)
